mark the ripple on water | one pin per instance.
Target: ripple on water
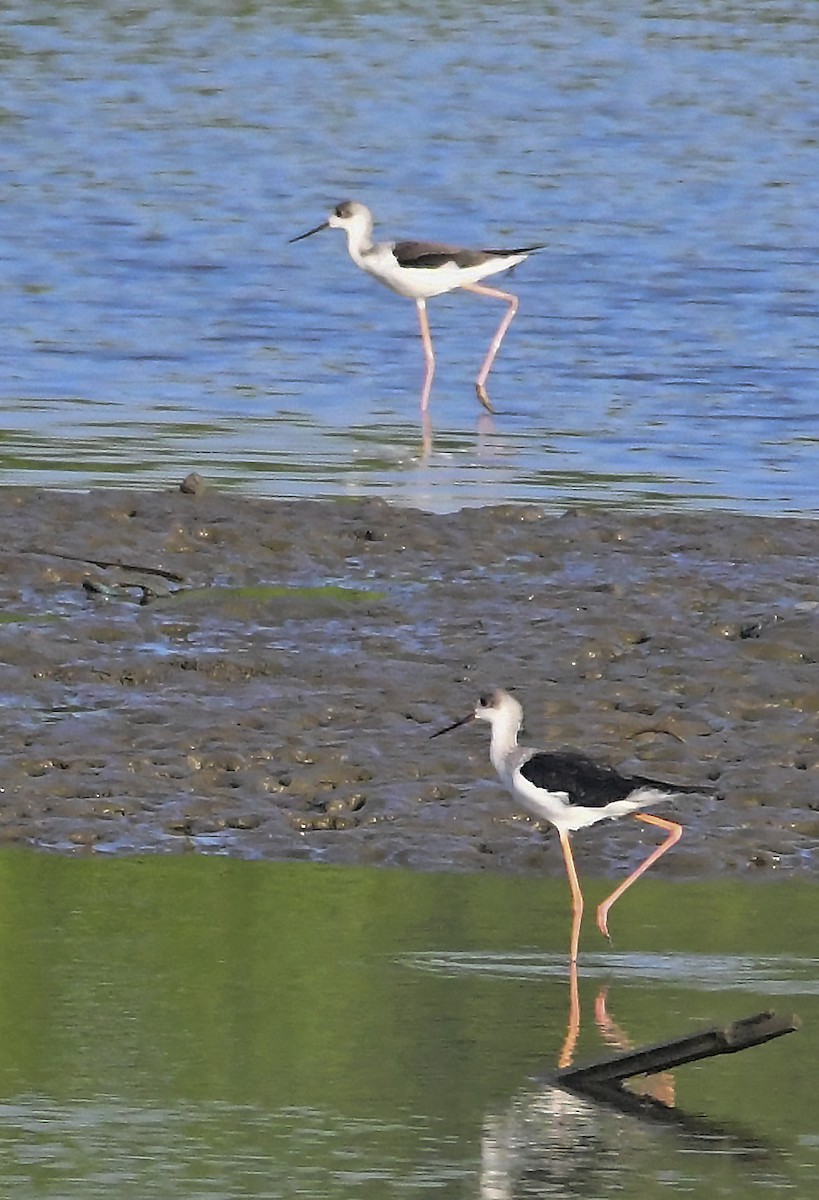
(785, 975)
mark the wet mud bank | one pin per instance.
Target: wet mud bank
(222, 674)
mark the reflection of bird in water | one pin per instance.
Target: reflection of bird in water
(547, 1132)
(550, 1141)
(572, 792)
(421, 270)
(659, 1087)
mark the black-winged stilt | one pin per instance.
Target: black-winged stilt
(420, 270)
(572, 792)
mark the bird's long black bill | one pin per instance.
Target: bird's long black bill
(310, 232)
(454, 725)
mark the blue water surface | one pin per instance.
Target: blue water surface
(153, 318)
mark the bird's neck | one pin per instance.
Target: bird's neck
(359, 243)
(504, 740)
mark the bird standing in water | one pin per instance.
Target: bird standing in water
(420, 270)
(572, 792)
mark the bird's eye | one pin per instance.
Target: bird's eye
(485, 701)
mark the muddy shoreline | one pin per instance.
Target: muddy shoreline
(225, 674)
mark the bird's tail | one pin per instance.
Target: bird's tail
(684, 789)
(519, 250)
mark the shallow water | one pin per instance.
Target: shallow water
(154, 319)
(197, 1027)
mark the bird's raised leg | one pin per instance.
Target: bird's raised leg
(481, 290)
(674, 835)
(577, 895)
(429, 353)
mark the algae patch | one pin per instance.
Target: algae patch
(280, 600)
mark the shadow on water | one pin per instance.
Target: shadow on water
(191, 1026)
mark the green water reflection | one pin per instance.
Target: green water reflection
(205, 1027)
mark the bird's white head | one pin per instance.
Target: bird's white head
(351, 215)
(499, 706)
(355, 219)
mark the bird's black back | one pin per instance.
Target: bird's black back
(587, 783)
(434, 254)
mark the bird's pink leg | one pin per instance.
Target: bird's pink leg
(674, 835)
(577, 895)
(429, 354)
(481, 290)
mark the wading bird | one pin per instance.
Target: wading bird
(420, 270)
(572, 792)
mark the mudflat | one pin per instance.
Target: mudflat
(210, 672)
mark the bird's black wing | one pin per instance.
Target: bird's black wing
(435, 254)
(590, 784)
(585, 782)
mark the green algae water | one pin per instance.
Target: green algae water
(203, 1027)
